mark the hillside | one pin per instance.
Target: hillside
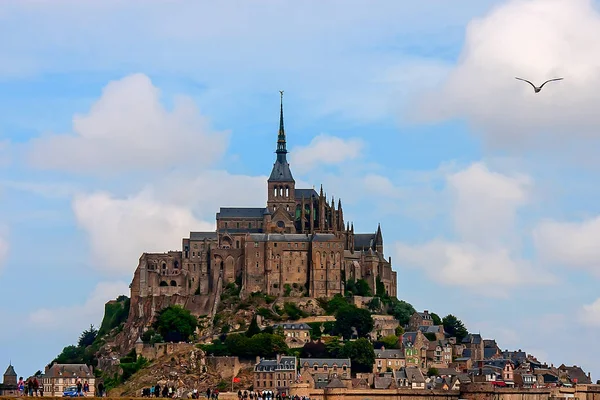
(184, 370)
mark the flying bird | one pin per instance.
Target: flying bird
(535, 88)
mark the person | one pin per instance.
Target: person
(21, 386)
(157, 390)
(79, 387)
(86, 388)
(35, 385)
(100, 389)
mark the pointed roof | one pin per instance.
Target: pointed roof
(10, 371)
(281, 169)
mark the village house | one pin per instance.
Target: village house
(415, 346)
(409, 377)
(473, 346)
(340, 367)
(419, 319)
(388, 360)
(573, 375)
(439, 354)
(57, 378)
(437, 331)
(462, 364)
(275, 375)
(505, 367)
(296, 334)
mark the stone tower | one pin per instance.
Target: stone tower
(10, 376)
(281, 200)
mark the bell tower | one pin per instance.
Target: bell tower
(281, 184)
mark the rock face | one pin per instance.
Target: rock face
(185, 371)
(143, 310)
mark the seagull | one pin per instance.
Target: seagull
(535, 88)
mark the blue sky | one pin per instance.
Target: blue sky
(123, 127)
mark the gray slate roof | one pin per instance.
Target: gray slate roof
(306, 193)
(71, 370)
(279, 237)
(285, 364)
(203, 235)
(389, 353)
(322, 361)
(281, 172)
(299, 326)
(10, 371)
(363, 240)
(241, 212)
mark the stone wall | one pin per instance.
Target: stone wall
(227, 367)
(157, 350)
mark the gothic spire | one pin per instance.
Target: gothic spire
(281, 145)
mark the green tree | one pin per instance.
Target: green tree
(430, 336)
(334, 347)
(353, 317)
(70, 355)
(253, 329)
(361, 354)
(363, 288)
(390, 342)
(266, 345)
(176, 324)
(314, 350)
(315, 331)
(436, 319)
(237, 344)
(374, 304)
(454, 327)
(399, 330)
(433, 371)
(147, 336)
(380, 288)
(87, 337)
(338, 301)
(402, 311)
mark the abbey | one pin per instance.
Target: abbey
(298, 245)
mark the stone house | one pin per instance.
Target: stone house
(474, 346)
(275, 375)
(462, 364)
(437, 330)
(409, 377)
(9, 382)
(340, 367)
(419, 319)
(296, 334)
(387, 360)
(505, 367)
(415, 346)
(439, 354)
(59, 377)
(574, 375)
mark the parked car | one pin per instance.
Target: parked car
(71, 391)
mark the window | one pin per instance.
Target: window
(237, 225)
(225, 225)
(193, 254)
(249, 225)
(237, 244)
(256, 245)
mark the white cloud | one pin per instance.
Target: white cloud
(590, 314)
(486, 202)
(78, 317)
(128, 128)
(121, 229)
(485, 249)
(571, 244)
(324, 150)
(535, 40)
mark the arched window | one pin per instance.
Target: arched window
(173, 283)
(280, 191)
(287, 191)
(175, 264)
(275, 192)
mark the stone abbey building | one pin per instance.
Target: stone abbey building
(299, 240)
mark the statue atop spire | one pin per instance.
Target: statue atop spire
(281, 145)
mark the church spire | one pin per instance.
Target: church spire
(281, 145)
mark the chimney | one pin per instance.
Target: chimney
(278, 358)
(425, 312)
(257, 359)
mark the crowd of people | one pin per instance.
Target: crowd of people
(31, 387)
(267, 395)
(168, 391)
